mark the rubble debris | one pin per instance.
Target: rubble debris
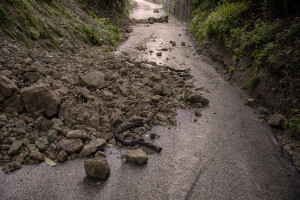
(136, 156)
(97, 167)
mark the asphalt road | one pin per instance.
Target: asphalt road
(226, 154)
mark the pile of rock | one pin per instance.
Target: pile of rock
(64, 110)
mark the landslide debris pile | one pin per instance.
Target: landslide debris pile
(63, 106)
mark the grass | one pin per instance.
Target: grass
(34, 20)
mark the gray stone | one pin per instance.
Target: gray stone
(7, 87)
(70, 146)
(93, 79)
(107, 96)
(100, 154)
(78, 134)
(27, 61)
(156, 98)
(42, 143)
(195, 97)
(97, 167)
(136, 156)
(155, 10)
(158, 89)
(62, 156)
(198, 113)
(15, 147)
(152, 135)
(250, 102)
(39, 98)
(92, 147)
(35, 155)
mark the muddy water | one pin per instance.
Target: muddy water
(226, 154)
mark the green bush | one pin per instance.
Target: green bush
(218, 23)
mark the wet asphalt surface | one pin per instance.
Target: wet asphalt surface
(226, 154)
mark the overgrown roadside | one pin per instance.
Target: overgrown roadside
(257, 42)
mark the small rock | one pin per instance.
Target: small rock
(107, 96)
(159, 53)
(70, 145)
(92, 147)
(106, 135)
(155, 10)
(15, 147)
(97, 167)
(152, 135)
(100, 154)
(42, 143)
(33, 77)
(115, 119)
(27, 61)
(195, 97)
(182, 43)
(78, 134)
(198, 113)
(250, 102)
(35, 155)
(156, 98)
(3, 117)
(158, 89)
(276, 120)
(62, 156)
(136, 156)
(173, 43)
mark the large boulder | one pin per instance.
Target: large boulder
(70, 146)
(92, 147)
(97, 167)
(93, 79)
(136, 156)
(7, 88)
(39, 98)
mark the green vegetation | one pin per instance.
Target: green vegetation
(265, 31)
(30, 21)
(293, 123)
